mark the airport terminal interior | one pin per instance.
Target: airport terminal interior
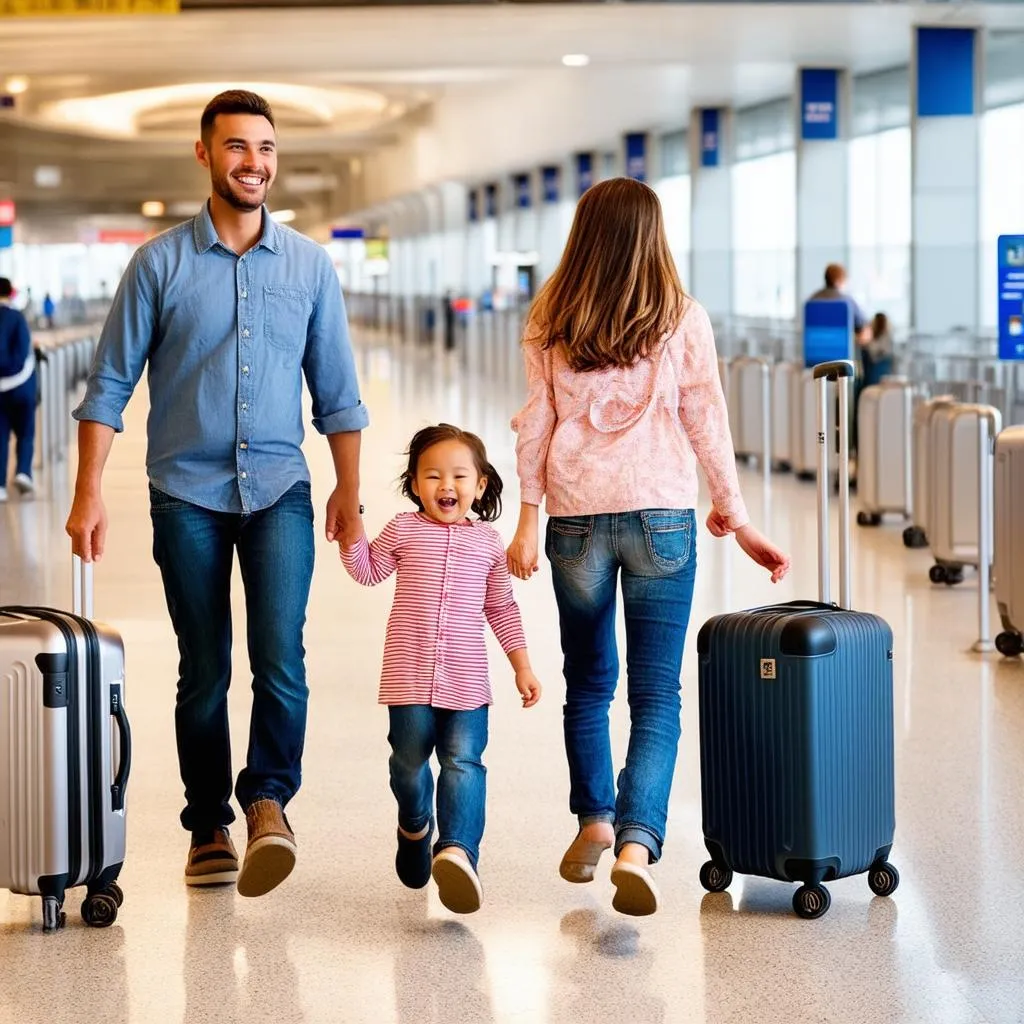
(437, 153)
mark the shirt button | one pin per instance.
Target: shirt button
(245, 405)
(245, 295)
(245, 369)
(243, 445)
(245, 333)
(243, 474)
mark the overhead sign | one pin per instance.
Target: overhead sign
(549, 178)
(1011, 296)
(584, 171)
(636, 156)
(828, 331)
(945, 72)
(45, 8)
(343, 232)
(473, 199)
(710, 138)
(491, 200)
(6, 237)
(523, 196)
(819, 103)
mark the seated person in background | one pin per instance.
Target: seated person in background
(876, 351)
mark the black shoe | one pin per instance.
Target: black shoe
(412, 861)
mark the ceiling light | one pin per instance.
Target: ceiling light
(283, 216)
(16, 85)
(575, 60)
(153, 208)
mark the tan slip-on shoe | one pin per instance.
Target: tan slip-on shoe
(270, 854)
(212, 859)
(635, 891)
(457, 883)
(580, 860)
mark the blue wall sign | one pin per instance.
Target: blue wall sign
(491, 201)
(341, 233)
(550, 177)
(523, 197)
(945, 72)
(828, 331)
(1011, 296)
(473, 207)
(710, 138)
(636, 156)
(584, 171)
(819, 103)
(6, 237)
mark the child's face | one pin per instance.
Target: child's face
(447, 481)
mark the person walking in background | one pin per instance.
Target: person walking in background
(49, 311)
(876, 351)
(624, 401)
(18, 393)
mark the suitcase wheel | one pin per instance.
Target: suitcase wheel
(949, 575)
(99, 909)
(869, 518)
(883, 879)
(715, 878)
(53, 917)
(811, 901)
(915, 537)
(1010, 645)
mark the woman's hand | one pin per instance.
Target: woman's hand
(763, 551)
(522, 553)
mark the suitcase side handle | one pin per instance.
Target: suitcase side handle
(841, 372)
(120, 783)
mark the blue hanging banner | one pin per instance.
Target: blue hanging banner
(523, 196)
(491, 201)
(584, 171)
(550, 177)
(819, 103)
(710, 138)
(474, 205)
(636, 156)
(343, 233)
(1011, 296)
(6, 237)
(828, 331)
(945, 72)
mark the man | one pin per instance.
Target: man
(230, 309)
(835, 288)
(17, 394)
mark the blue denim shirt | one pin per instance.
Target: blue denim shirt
(228, 339)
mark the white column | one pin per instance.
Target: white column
(711, 221)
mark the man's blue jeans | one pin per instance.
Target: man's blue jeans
(18, 414)
(655, 550)
(459, 737)
(194, 549)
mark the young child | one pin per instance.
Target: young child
(452, 575)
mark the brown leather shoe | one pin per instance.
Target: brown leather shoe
(212, 859)
(270, 855)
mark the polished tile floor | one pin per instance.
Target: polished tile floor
(343, 941)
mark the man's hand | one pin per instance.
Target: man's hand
(344, 518)
(87, 525)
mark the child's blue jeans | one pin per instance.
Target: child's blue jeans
(459, 737)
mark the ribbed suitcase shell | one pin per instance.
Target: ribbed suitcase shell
(783, 415)
(749, 391)
(1009, 529)
(62, 818)
(796, 741)
(885, 413)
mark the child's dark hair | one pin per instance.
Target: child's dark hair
(488, 508)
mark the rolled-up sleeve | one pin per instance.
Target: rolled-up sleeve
(329, 364)
(123, 348)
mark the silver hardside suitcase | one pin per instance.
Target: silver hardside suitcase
(1008, 557)
(885, 426)
(65, 755)
(749, 401)
(916, 535)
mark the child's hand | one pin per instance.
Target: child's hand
(716, 523)
(528, 686)
(763, 551)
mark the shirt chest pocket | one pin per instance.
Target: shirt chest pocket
(286, 316)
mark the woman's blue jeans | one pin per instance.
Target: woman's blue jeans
(655, 551)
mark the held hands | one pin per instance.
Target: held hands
(528, 686)
(522, 553)
(344, 518)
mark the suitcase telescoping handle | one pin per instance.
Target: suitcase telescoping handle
(841, 372)
(81, 587)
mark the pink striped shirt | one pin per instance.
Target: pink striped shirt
(450, 579)
(628, 438)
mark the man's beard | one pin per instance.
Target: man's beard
(242, 203)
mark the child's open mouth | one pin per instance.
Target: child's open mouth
(447, 503)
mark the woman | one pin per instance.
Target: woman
(624, 401)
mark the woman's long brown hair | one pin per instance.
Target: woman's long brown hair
(616, 293)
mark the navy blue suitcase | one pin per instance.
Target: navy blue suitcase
(796, 726)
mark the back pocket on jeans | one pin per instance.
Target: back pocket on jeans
(568, 539)
(669, 536)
